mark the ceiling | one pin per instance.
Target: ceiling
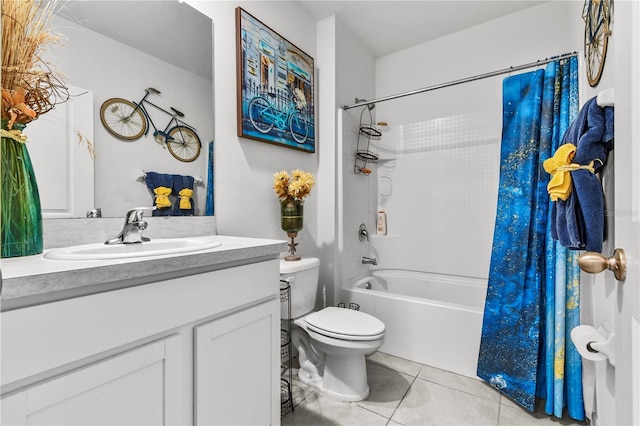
(167, 29)
(173, 31)
(389, 26)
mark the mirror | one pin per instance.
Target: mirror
(117, 49)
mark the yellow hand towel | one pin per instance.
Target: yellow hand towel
(162, 196)
(559, 166)
(559, 186)
(185, 198)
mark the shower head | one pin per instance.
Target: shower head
(370, 106)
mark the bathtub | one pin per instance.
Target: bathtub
(431, 319)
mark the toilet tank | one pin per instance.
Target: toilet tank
(302, 276)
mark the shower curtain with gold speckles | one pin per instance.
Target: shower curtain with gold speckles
(533, 290)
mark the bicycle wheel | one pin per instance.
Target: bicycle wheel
(123, 119)
(258, 107)
(184, 144)
(299, 127)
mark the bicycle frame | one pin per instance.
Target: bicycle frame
(280, 117)
(150, 120)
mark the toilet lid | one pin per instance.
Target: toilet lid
(345, 324)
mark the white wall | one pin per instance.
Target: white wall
(112, 69)
(244, 198)
(439, 188)
(328, 218)
(356, 79)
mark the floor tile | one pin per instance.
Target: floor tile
(393, 362)
(505, 400)
(463, 383)
(318, 410)
(386, 389)
(429, 403)
(434, 397)
(539, 413)
(510, 416)
(299, 391)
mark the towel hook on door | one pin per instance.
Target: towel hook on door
(593, 263)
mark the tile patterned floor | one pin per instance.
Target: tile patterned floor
(407, 393)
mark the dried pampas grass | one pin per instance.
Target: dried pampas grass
(30, 86)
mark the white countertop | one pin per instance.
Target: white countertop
(33, 280)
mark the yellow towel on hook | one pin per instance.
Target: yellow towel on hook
(559, 186)
(162, 196)
(185, 198)
(560, 166)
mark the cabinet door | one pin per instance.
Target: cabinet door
(138, 387)
(237, 368)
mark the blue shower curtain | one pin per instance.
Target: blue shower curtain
(533, 290)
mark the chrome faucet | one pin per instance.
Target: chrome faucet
(97, 212)
(133, 226)
(369, 260)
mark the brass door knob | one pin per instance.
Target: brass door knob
(592, 263)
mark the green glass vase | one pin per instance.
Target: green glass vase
(21, 220)
(291, 215)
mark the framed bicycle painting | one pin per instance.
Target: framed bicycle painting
(275, 83)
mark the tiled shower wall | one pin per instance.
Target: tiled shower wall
(437, 181)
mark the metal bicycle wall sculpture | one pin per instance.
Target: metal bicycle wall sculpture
(130, 120)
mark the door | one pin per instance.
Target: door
(616, 304)
(627, 213)
(59, 146)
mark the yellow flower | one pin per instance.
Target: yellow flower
(280, 183)
(297, 186)
(281, 175)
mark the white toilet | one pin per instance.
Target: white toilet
(331, 343)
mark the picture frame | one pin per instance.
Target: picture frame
(275, 87)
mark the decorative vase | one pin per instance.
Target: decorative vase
(291, 215)
(21, 220)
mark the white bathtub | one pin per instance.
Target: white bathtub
(431, 319)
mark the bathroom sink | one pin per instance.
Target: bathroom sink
(154, 247)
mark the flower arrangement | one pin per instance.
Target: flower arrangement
(291, 191)
(296, 186)
(30, 86)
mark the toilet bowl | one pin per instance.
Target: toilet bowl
(331, 343)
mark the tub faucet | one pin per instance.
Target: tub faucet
(133, 226)
(369, 260)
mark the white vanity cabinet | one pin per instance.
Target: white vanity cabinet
(232, 370)
(137, 387)
(186, 350)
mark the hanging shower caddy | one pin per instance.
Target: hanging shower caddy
(366, 133)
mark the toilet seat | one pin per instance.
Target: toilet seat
(345, 324)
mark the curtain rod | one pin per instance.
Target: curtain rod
(464, 80)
